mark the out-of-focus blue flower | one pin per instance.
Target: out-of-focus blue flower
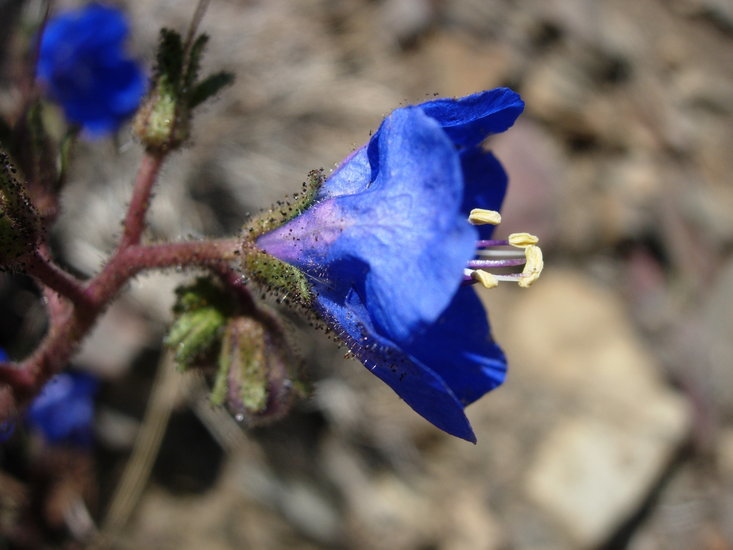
(64, 411)
(386, 243)
(84, 68)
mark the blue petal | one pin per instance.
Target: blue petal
(84, 69)
(486, 184)
(126, 84)
(102, 104)
(408, 226)
(401, 240)
(418, 385)
(64, 411)
(471, 119)
(94, 30)
(352, 176)
(385, 245)
(458, 347)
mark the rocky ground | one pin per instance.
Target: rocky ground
(615, 428)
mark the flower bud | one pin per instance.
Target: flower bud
(20, 227)
(201, 311)
(164, 120)
(255, 378)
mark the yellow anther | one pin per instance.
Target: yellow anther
(486, 279)
(479, 216)
(533, 267)
(522, 240)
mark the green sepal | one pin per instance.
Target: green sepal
(276, 275)
(284, 211)
(201, 312)
(193, 65)
(169, 60)
(209, 87)
(194, 334)
(164, 119)
(258, 378)
(243, 366)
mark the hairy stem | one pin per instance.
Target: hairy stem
(52, 276)
(65, 335)
(140, 201)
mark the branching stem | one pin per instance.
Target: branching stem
(74, 307)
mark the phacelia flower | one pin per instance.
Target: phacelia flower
(64, 410)
(83, 66)
(393, 241)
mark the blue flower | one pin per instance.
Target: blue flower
(64, 411)
(386, 244)
(84, 68)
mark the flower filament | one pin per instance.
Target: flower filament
(489, 255)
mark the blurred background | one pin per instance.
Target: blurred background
(615, 427)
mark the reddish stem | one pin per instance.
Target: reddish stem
(70, 323)
(50, 275)
(128, 262)
(140, 201)
(65, 335)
